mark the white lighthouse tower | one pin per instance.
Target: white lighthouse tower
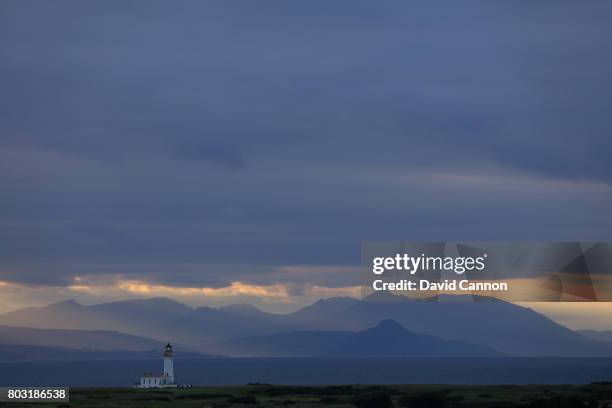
(169, 363)
(163, 380)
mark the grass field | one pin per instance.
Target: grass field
(414, 396)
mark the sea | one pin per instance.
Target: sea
(313, 371)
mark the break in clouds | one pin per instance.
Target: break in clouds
(200, 144)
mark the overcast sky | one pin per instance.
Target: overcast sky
(227, 151)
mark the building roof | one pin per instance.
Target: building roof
(151, 375)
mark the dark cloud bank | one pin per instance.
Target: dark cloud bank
(143, 136)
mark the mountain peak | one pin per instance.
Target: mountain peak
(241, 308)
(389, 325)
(65, 304)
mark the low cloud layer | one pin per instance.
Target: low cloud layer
(276, 298)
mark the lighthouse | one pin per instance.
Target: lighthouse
(169, 363)
(163, 380)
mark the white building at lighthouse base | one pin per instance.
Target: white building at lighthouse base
(150, 380)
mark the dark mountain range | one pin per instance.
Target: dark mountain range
(508, 328)
(101, 340)
(317, 314)
(39, 353)
(161, 319)
(387, 339)
(292, 344)
(599, 335)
